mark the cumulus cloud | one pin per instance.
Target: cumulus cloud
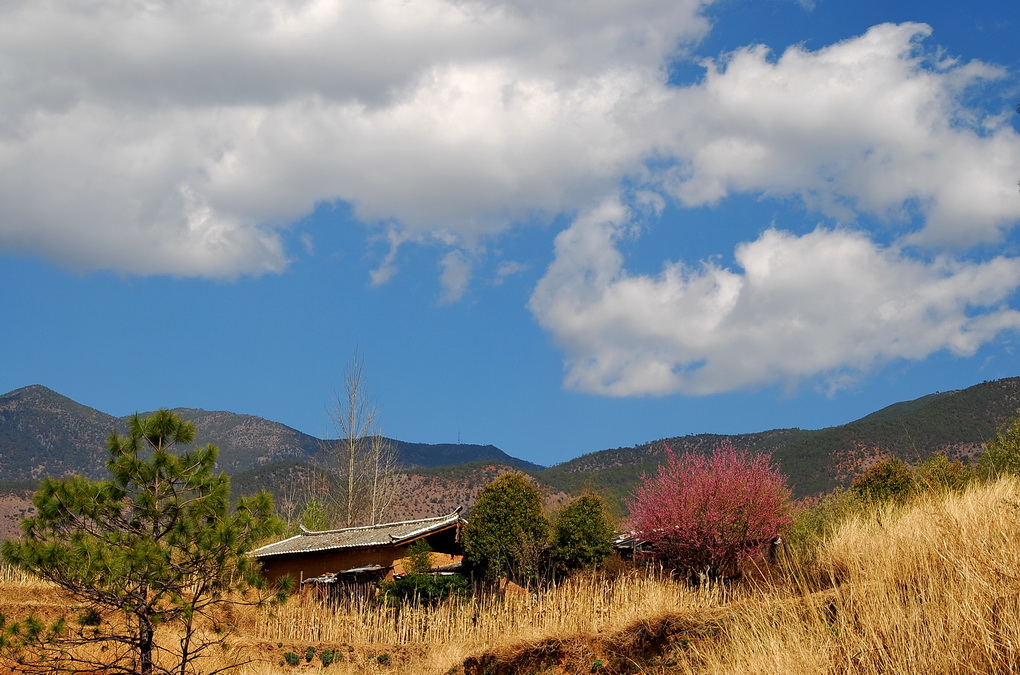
(872, 125)
(830, 304)
(183, 137)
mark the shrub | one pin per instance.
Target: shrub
(424, 589)
(419, 558)
(418, 586)
(940, 474)
(291, 658)
(1002, 453)
(888, 480)
(815, 519)
(703, 514)
(328, 656)
(582, 534)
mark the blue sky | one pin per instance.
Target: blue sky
(552, 227)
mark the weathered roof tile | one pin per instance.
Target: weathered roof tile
(368, 536)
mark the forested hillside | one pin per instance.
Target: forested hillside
(954, 423)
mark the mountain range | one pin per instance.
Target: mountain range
(43, 433)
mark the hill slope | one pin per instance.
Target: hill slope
(44, 433)
(955, 423)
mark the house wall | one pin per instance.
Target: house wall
(300, 566)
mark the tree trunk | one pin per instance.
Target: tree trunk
(146, 639)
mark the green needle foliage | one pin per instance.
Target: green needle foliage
(155, 545)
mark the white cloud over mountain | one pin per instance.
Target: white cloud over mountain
(829, 304)
(184, 138)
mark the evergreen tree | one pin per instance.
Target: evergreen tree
(582, 534)
(154, 546)
(506, 530)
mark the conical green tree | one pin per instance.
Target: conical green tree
(155, 545)
(506, 530)
(582, 534)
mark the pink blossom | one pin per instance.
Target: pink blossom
(704, 513)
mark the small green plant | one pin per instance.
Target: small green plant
(597, 665)
(383, 659)
(309, 653)
(291, 658)
(329, 656)
(419, 558)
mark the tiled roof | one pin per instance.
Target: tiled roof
(369, 536)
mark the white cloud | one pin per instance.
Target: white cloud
(829, 304)
(455, 276)
(181, 137)
(507, 269)
(871, 125)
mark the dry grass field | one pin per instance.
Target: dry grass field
(933, 587)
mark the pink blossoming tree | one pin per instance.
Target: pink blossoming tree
(702, 514)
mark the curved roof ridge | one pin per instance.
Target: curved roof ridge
(449, 515)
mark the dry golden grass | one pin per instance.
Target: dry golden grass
(929, 588)
(422, 640)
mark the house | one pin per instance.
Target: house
(357, 554)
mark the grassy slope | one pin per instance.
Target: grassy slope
(932, 588)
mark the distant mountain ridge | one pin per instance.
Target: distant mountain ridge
(954, 423)
(45, 433)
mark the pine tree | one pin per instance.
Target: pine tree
(156, 545)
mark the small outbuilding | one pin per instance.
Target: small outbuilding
(360, 554)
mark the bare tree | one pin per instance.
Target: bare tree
(384, 465)
(364, 461)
